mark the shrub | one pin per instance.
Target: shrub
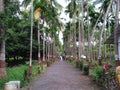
(48, 63)
(35, 70)
(97, 72)
(77, 64)
(86, 69)
(94, 63)
(81, 65)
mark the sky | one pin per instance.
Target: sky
(63, 15)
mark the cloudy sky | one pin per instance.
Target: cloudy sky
(63, 15)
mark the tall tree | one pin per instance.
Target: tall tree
(39, 56)
(79, 29)
(31, 40)
(72, 11)
(48, 14)
(103, 28)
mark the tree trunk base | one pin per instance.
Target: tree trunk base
(2, 68)
(2, 72)
(77, 64)
(39, 60)
(100, 62)
(30, 70)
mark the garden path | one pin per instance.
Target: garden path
(62, 76)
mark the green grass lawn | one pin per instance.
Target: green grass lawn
(17, 73)
(14, 73)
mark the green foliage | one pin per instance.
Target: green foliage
(35, 70)
(18, 73)
(49, 63)
(86, 69)
(97, 72)
(94, 63)
(70, 61)
(111, 72)
(16, 24)
(14, 73)
(81, 65)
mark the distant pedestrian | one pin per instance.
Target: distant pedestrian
(61, 59)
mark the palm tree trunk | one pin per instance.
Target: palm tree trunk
(94, 28)
(101, 33)
(70, 48)
(38, 42)
(2, 56)
(2, 47)
(82, 27)
(1, 5)
(105, 46)
(115, 32)
(48, 48)
(52, 48)
(79, 47)
(67, 41)
(31, 40)
(74, 40)
(67, 46)
(43, 46)
(70, 41)
(92, 35)
(110, 50)
(89, 42)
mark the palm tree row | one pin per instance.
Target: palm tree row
(90, 25)
(47, 24)
(48, 15)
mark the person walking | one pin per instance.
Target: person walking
(60, 58)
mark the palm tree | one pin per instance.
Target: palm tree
(49, 14)
(72, 11)
(79, 39)
(88, 34)
(66, 39)
(2, 46)
(82, 26)
(39, 40)
(101, 32)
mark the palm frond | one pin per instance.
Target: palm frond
(25, 3)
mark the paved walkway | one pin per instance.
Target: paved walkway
(62, 76)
